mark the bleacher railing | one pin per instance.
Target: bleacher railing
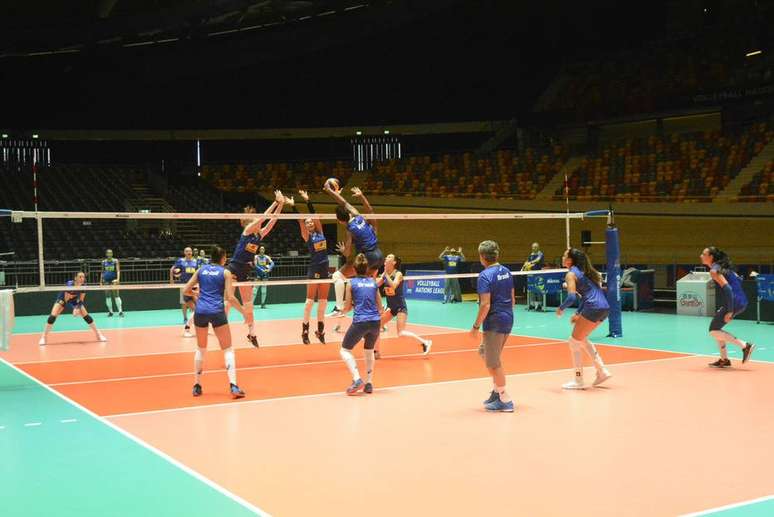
(133, 270)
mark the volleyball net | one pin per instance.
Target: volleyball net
(437, 251)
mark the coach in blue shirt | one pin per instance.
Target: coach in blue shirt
(495, 314)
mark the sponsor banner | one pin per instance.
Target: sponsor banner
(429, 289)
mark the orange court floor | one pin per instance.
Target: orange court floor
(665, 436)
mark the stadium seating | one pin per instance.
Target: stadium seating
(687, 167)
(249, 177)
(761, 188)
(505, 174)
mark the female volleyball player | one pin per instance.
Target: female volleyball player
(111, 275)
(363, 295)
(392, 279)
(214, 283)
(72, 300)
(263, 266)
(495, 312)
(582, 279)
(244, 256)
(734, 302)
(181, 272)
(312, 233)
(362, 232)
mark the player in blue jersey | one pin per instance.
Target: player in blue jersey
(214, 284)
(362, 295)
(534, 262)
(495, 317)
(72, 301)
(243, 260)
(734, 303)
(181, 272)
(312, 233)
(201, 259)
(392, 280)
(263, 267)
(362, 232)
(584, 282)
(111, 275)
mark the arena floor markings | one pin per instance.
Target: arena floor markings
(96, 424)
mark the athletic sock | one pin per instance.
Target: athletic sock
(411, 334)
(264, 292)
(369, 362)
(349, 360)
(119, 304)
(320, 327)
(503, 394)
(109, 304)
(251, 328)
(338, 286)
(730, 338)
(599, 364)
(198, 365)
(47, 329)
(577, 358)
(228, 355)
(94, 328)
(308, 309)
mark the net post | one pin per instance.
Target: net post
(41, 266)
(613, 254)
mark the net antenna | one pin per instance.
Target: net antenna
(567, 205)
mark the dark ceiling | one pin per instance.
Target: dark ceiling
(247, 63)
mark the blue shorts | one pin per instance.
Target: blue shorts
(375, 258)
(216, 320)
(594, 315)
(368, 330)
(108, 279)
(719, 319)
(397, 308)
(318, 271)
(240, 271)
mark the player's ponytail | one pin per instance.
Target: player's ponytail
(721, 258)
(582, 262)
(361, 264)
(217, 253)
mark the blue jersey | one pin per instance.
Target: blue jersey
(246, 249)
(536, 257)
(363, 234)
(109, 270)
(318, 249)
(452, 263)
(593, 297)
(73, 297)
(740, 299)
(497, 281)
(364, 299)
(212, 283)
(187, 269)
(395, 296)
(201, 261)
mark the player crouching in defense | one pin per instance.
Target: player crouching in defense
(72, 301)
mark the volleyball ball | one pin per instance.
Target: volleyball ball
(333, 184)
(176, 272)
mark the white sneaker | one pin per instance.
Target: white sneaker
(101, 338)
(574, 384)
(187, 333)
(427, 345)
(602, 376)
(42, 341)
(337, 329)
(335, 313)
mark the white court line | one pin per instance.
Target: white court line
(389, 388)
(247, 505)
(288, 365)
(729, 506)
(33, 424)
(68, 421)
(448, 330)
(2, 427)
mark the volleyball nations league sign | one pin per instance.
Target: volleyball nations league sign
(429, 289)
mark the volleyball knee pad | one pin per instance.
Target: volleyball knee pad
(51, 320)
(88, 319)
